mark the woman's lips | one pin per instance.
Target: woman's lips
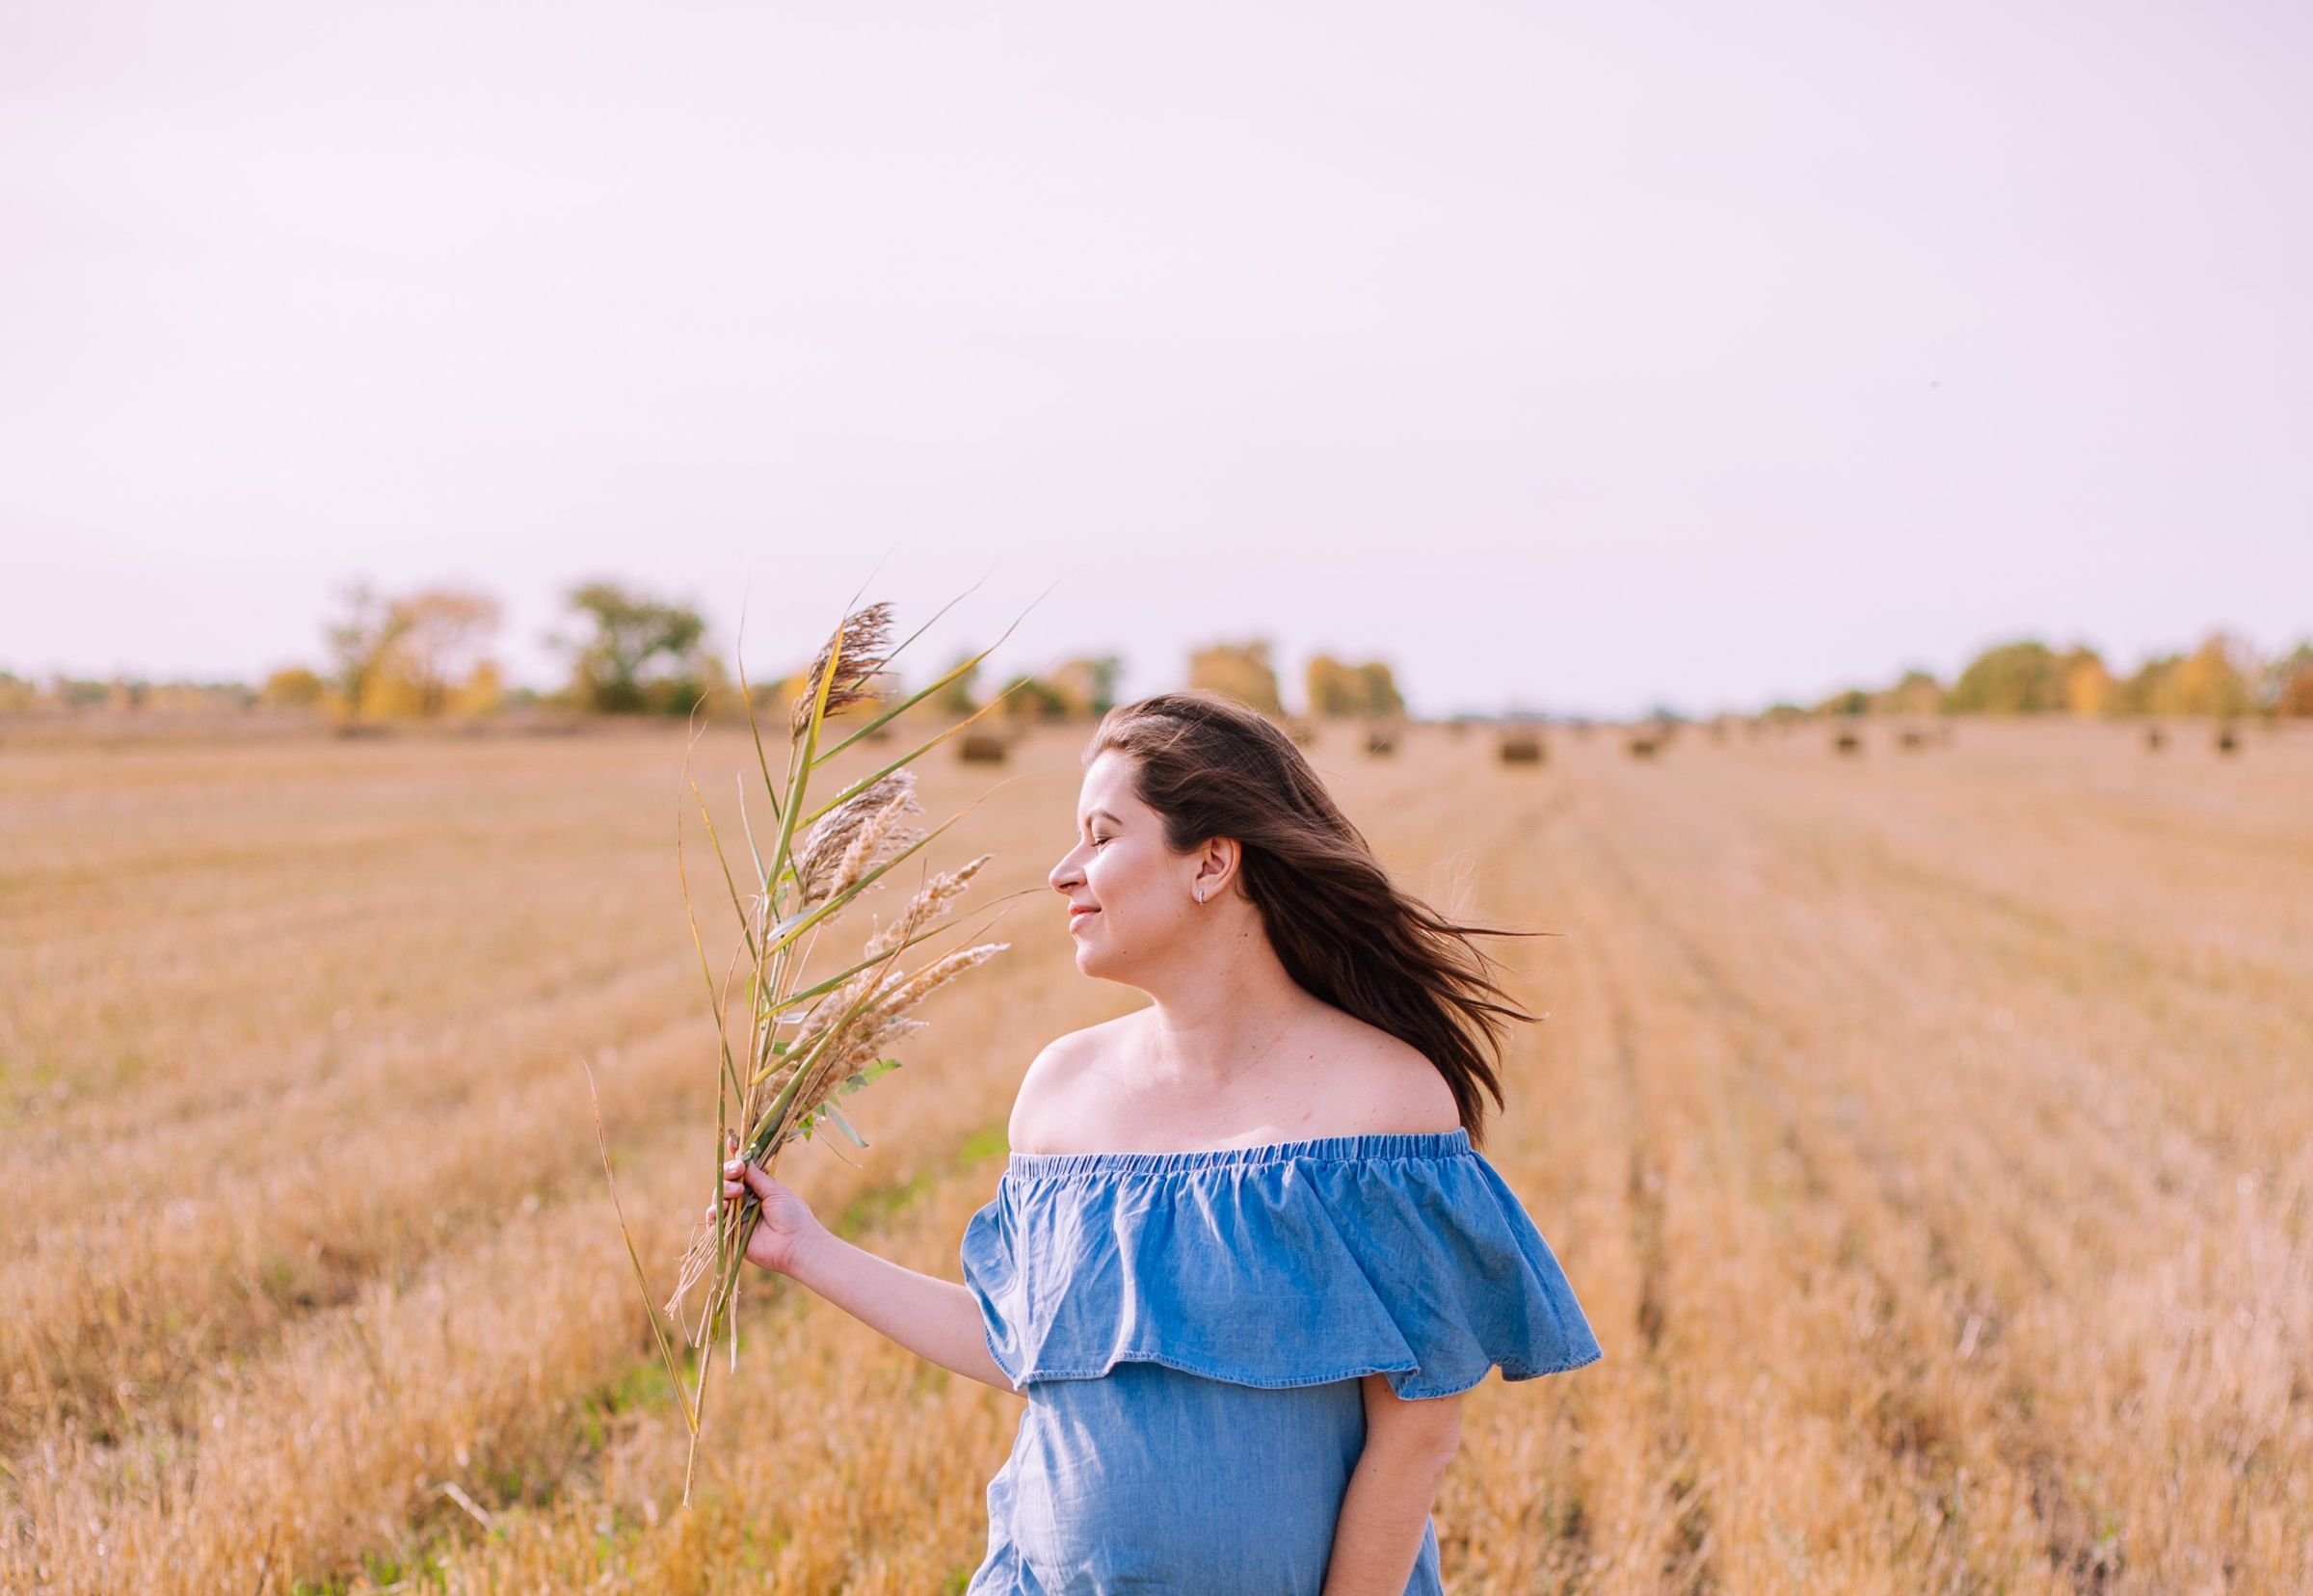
(1079, 913)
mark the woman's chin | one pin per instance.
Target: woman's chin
(1089, 962)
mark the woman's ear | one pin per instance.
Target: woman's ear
(1216, 869)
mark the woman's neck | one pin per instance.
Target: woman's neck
(1214, 1025)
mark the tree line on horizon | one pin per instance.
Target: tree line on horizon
(2221, 678)
(427, 654)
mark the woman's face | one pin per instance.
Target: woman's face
(1130, 895)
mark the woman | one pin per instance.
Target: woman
(1246, 1256)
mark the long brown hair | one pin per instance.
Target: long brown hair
(1213, 767)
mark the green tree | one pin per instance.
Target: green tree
(640, 654)
(1382, 697)
(1330, 689)
(2024, 677)
(1916, 692)
(1031, 698)
(2144, 690)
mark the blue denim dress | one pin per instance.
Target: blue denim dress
(1189, 1329)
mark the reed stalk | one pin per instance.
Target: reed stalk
(807, 1041)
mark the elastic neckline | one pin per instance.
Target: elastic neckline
(1384, 1144)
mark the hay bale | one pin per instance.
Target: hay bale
(1912, 738)
(1380, 745)
(1642, 747)
(982, 748)
(1522, 748)
(2227, 740)
(2155, 740)
(1847, 742)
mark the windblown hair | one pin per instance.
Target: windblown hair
(1213, 767)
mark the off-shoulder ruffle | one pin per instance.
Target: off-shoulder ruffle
(1292, 1264)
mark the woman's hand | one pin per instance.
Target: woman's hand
(788, 1223)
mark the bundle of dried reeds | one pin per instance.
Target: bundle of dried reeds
(808, 1040)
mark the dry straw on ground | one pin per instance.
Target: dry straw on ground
(1932, 1152)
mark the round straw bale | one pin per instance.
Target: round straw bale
(1522, 748)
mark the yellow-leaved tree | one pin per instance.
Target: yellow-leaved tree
(1240, 670)
(1367, 691)
(414, 655)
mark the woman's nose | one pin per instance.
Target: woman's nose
(1065, 872)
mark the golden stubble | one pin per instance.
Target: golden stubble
(1926, 1135)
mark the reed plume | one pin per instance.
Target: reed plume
(808, 1041)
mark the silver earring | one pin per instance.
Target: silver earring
(1200, 894)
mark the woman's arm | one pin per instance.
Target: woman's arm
(939, 1319)
(1378, 1534)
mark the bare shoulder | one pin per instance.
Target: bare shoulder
(1053, 1079)
(1381, 1085)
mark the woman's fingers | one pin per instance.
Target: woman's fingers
(739, 1176)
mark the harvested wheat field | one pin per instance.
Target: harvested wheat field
(1927, 1135)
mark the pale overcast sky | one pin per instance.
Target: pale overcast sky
(1582, 357)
